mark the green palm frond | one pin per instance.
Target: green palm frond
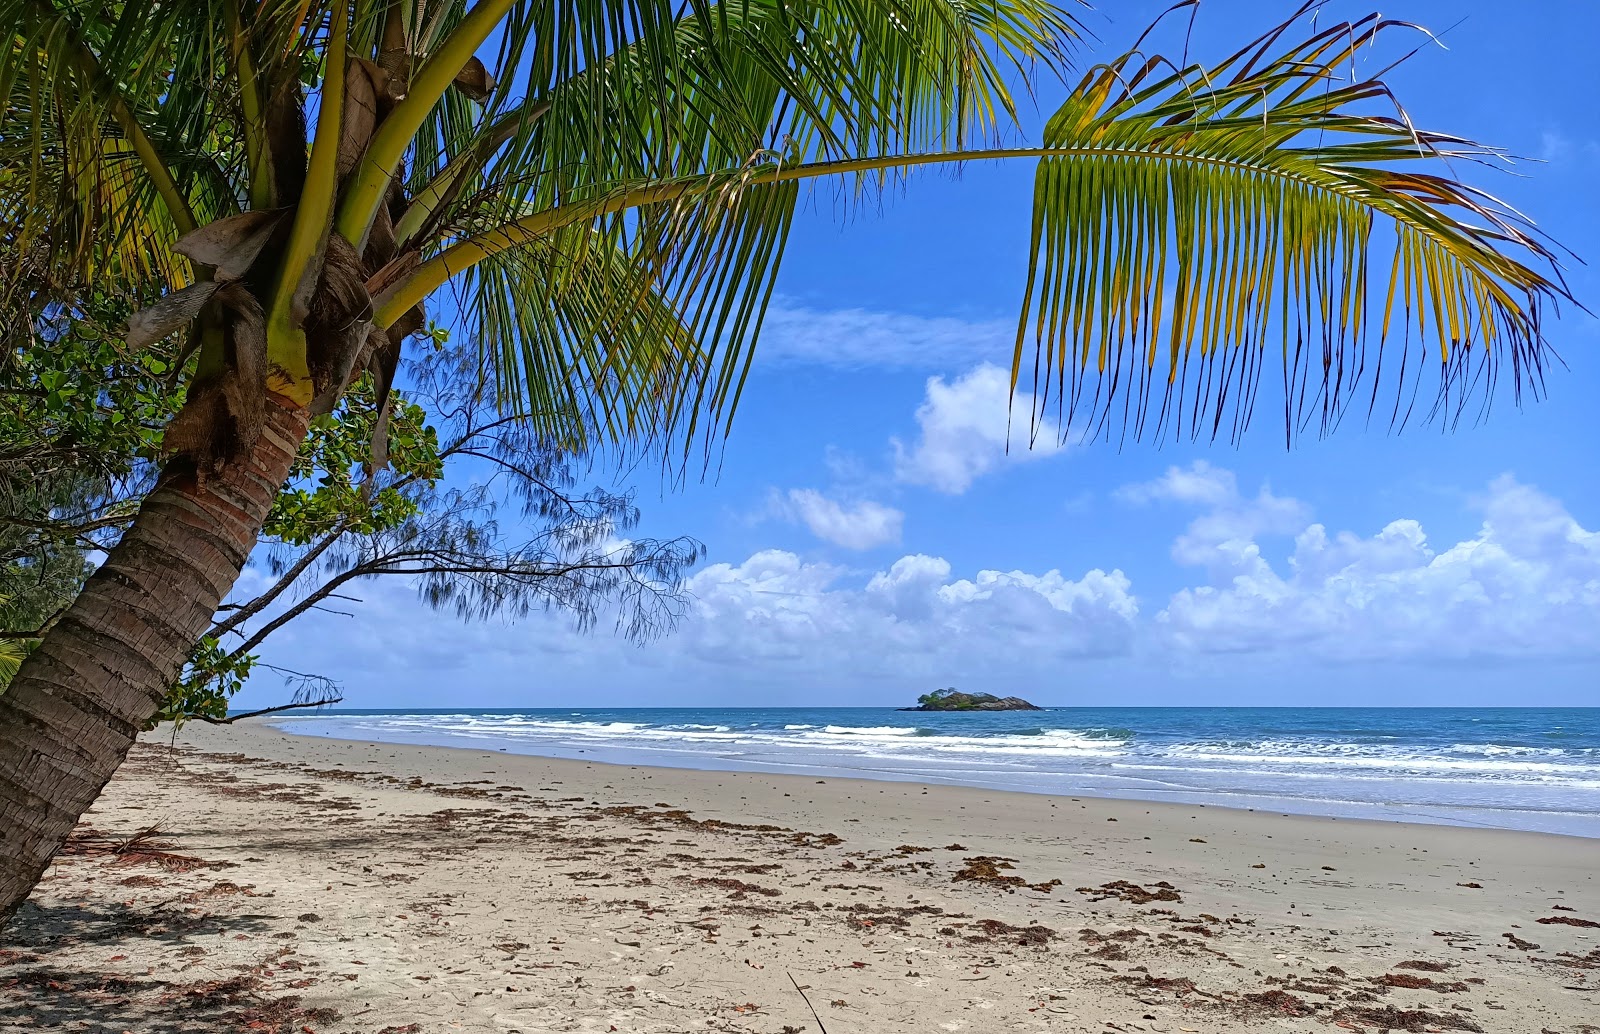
(12, 654)
(104, 160)
(620, 308)
(713, 94)
(611, 183)
(1187, 220)
(710, 91)
(1190, 221)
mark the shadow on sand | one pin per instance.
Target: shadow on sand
(45, 983)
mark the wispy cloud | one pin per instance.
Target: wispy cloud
(863, 339)
(1561, 149)
(1229, 522)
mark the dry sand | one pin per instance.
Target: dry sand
(325, 886)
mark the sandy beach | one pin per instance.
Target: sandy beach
(326, 886)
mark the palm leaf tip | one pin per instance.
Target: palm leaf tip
(1189, 219)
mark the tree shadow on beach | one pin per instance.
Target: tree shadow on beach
(58, 971)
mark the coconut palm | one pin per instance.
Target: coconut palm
(597, 194)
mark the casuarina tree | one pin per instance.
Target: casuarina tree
(599, 192)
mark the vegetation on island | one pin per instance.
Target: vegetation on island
(952, 699)
(599, 194)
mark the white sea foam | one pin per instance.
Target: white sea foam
(1383, 764)
(1498, 749)
(1033, 748)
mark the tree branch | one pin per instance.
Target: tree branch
(245, 612)
(36, 633)
(322, 593)
(267, 710)
(66, 529)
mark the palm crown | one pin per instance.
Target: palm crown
(608, 185)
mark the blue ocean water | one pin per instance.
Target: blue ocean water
(1519, 768)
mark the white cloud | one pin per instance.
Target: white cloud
(1223, 537)
(1526, 586)
(1522, 593)
(861, 525)
(968, 427)
(1199, 483)
(911, 619)
(1561, 149)
(860, 338)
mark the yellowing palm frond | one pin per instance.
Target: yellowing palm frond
(12, 654)
(1189, 221)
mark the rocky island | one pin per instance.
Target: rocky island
(954, 700)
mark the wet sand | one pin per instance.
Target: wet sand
(309, 884)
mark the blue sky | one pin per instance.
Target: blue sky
(870, 535)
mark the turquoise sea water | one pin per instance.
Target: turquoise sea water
(1520, 768)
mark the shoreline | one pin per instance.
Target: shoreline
(358, 888)
(1582, 825)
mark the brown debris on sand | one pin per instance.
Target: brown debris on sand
(1133, 893)
(1033, 936)
(738, 889)
(986, 869)
(138, 847)
(1416, 983)
(1179, 986)
(1414, 1021)
(1279, 1003)
(1568, 921)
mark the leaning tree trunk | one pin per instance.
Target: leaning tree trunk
(71, 714)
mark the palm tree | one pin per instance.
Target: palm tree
(606, 186)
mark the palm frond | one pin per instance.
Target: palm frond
(12, 654)
(627, 95)
(1188, 221)
(627, 91)
(598, 328)
(616, 178)
(105, 160)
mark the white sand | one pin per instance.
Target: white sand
(373, 886)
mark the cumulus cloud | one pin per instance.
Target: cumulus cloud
(912, 618)
(1223, 536)
(1527, 585)
(860, 525)
(966, 429)
(863, 339)
(1523, 590)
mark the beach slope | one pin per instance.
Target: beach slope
(318, 885)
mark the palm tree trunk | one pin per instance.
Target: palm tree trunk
(71, 714)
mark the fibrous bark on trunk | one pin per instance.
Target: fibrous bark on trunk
(71, 714)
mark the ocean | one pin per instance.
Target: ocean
(1517, 768)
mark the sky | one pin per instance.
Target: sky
(874, 529)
